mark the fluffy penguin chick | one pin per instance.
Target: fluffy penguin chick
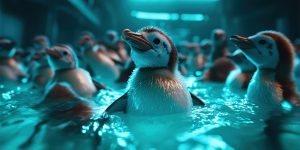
(64, 62)
(154, 87)
(272, 54)
(240, 77)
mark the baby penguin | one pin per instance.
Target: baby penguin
(9, 68)
(42, 73)
(239, 78)
(272, 53)
(154, 87)
(218, 67)
(63, 61)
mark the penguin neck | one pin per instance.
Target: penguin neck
(218, 52)
(266, 74)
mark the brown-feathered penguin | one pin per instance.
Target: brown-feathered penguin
(218, 66)
(273, 55)
(64, 62)
(9, 68)
(154, 87)
(239, 78)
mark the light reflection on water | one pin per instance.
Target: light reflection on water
(228, 121)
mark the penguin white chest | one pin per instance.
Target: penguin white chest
(264, 91)
(157, 92)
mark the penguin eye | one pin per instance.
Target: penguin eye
(156, 41)
(65, 53)
(262, 42)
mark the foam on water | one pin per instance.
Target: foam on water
(228, 121)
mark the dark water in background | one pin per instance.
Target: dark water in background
(228, 121)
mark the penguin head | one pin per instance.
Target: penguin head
(240, 60)
(260, 49)
(86, 41)
(40, 42)
(62, 57)
(219, 38)
(151, 48)
(111, 37)
(7, 48)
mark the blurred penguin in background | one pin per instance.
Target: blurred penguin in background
(9, 68)
(193, 56)
(116, 49)
(218, 66)
(87, 42)
(239, 78)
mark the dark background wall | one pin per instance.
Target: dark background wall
(63, 20)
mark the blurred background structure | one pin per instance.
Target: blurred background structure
(63, 20)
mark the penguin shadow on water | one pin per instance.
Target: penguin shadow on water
(68, 95)
(155, 92)
(272, 87)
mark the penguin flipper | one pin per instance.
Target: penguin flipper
(196, 100)
(98, 85)
(118, 105)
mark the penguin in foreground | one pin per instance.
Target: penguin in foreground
(64, 62)
(154, 87)
(239, 78)
(272, 53)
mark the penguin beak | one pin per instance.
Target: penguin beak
(136, 40)
(53, 53)
(242, 42)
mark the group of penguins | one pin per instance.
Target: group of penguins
(148, 64)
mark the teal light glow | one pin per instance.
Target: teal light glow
(167, 16)
(192, 17)
(286, 106)
(154, 15)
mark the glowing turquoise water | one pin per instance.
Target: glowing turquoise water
(228, 121)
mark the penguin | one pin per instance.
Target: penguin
(41, 42)
(218, 66)
(154, 88)
(36, 59)
(102, 65)
(272, 53)
(193, 57)
(206, 46)
(63, 61)
(9, 68)
(239, 78)
(115, 48)
(86, 42)
(42, 72)
(219, 45)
